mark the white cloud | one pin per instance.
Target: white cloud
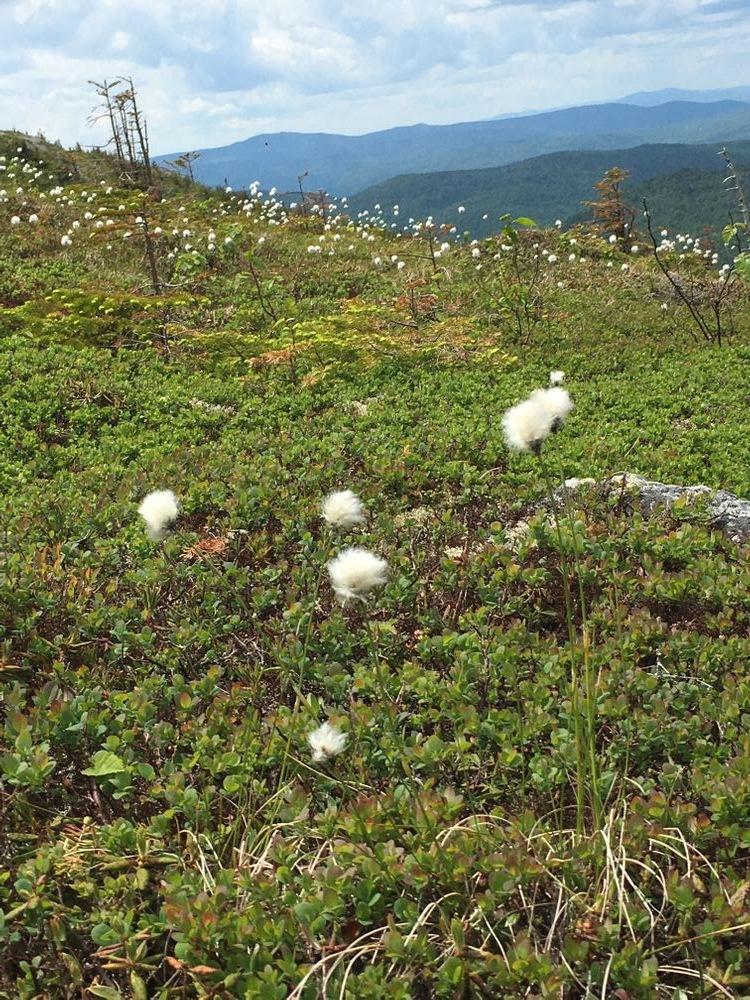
(214, 71)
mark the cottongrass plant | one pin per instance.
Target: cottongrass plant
(326, 741)
(355, 573)
(343, 510)
(159, 510)
(526, 427)
(528, 424)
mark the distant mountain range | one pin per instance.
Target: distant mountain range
(650, 98)
(682, 182)
(345, 164)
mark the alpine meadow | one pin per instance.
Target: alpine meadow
(374, 590)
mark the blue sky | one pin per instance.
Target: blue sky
(215, 71)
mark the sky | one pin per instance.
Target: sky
(211, 72)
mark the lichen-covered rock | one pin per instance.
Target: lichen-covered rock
(726, 512)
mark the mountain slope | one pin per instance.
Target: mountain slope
(555, 186)
(346, 164)
(651, 98)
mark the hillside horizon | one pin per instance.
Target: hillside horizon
(345, 164)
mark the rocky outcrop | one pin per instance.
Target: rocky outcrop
(726, 512)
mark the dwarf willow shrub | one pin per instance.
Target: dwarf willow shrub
(166, 830)
(149, 692)
(84, 317)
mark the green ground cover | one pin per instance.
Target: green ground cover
(164, 830)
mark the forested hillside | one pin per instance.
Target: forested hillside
(683, 183)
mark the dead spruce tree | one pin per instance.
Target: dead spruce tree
(128, 131)
(185, 162)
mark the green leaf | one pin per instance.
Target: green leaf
(102, 935)
(731, 232)
(742, 265)
(138, 987)
(105, 992)
(231, 784)
(104, 762)
(524, 221)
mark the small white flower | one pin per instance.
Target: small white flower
(159, 510)
(613, 239)
(326, 741)
(343, 510)
(355, 572)
(556, 378)
(33, 219)
(15, 220)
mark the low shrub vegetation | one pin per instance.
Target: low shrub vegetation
(433, 737)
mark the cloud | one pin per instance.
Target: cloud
(214, 71)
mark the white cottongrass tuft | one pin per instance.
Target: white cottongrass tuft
(355, 572)
(558, 404)
(326, 741)
(528, 424)
(556, 378)
(159, 510)
(343, 510)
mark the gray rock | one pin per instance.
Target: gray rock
(726, 512)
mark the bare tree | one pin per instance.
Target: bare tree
(735, 186)
(707, 297)
(127, 126)
(185, 161)
(302, 196)
(107, 111)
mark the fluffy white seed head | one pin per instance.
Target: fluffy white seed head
(355, 572)
(159, 510)
(528, 424)
(556, 378)
(558, 404)
(343, 510)
(326, 741)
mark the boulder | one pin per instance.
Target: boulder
(726, 512)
